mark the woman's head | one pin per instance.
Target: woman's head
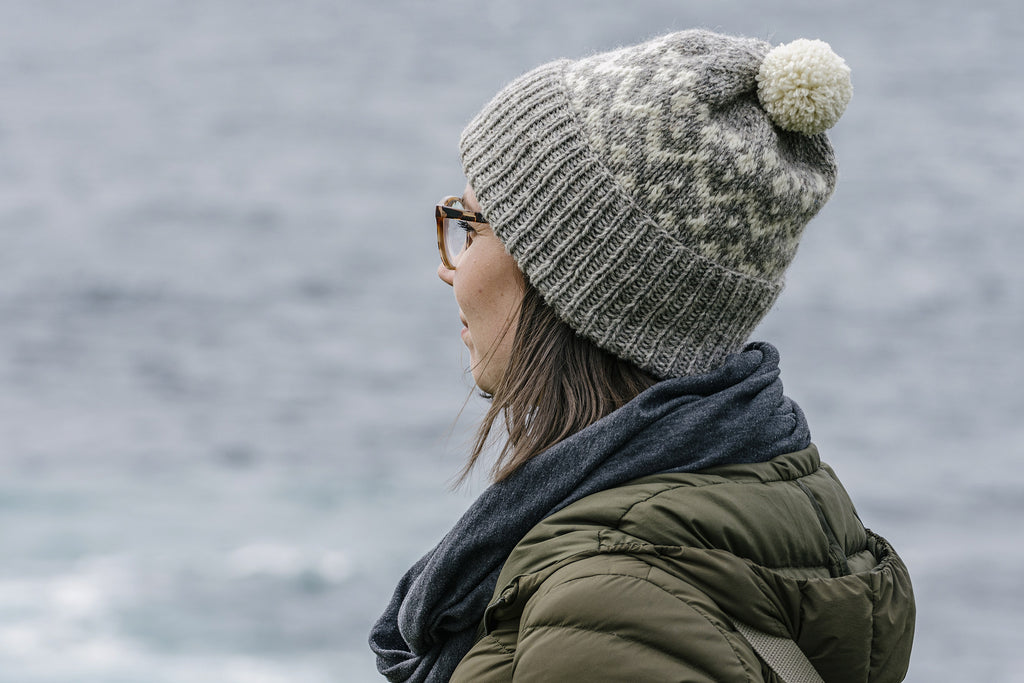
(641, 207)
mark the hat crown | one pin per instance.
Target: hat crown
(678, 122)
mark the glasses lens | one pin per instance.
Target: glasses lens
(454, 235)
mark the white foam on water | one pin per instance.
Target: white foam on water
(277, 560)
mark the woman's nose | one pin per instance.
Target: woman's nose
(446, 275)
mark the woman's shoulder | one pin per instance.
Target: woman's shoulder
(740, 508)
(635, 567)
(766, 513)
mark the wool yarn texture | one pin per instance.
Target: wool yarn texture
(655, 195)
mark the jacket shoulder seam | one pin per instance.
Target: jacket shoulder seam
(497, 643)
(673, 487)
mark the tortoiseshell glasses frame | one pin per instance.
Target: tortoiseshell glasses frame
(446, 214)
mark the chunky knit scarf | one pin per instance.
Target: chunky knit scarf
(735, 414)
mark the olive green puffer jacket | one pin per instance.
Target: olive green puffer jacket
(643, 583)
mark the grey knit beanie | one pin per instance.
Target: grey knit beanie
(654, 195)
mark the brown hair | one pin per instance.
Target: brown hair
(556, 383)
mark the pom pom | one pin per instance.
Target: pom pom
(804, 86)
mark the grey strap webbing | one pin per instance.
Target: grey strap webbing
(782, 655)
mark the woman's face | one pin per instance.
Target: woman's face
(489, 291)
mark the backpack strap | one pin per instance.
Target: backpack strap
(782, 655)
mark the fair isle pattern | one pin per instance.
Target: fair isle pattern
(647, 196)
(679, 125)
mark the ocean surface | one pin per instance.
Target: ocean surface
(231, 383)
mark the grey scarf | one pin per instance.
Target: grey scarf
(735, 414)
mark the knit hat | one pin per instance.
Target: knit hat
(654, 195)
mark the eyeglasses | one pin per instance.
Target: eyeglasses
(454, 232)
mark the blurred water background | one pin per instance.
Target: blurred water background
(229, 378)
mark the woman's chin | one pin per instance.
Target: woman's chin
(483, 380)
(483, 385)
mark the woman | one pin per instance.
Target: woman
(627, 223)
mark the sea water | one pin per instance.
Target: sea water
(230, 381)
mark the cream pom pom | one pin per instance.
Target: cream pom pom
(804, 86)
